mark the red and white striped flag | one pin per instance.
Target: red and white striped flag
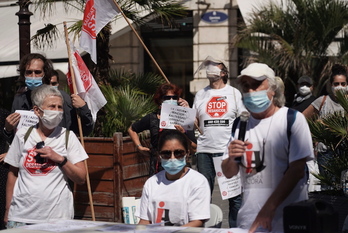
(86, 86)
(97, 14)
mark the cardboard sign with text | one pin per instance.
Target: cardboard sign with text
(28, 118)
(176, 115)
(228, 187)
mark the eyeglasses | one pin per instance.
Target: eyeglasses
(54, 83)
(259, 163)
(169, 97)
(167, 154)
(343, 84)
(29, 72)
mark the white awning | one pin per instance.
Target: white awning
(9, 46)
(247, 7)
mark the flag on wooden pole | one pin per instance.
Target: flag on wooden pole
(96, 15)
(86, 86)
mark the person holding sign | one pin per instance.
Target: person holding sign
(166, 93)
(272, 158)
(42, 159)
(217, 105)
(177, 196)
(35, 70)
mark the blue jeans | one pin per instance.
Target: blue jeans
(205, 166)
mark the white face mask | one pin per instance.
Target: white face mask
(213, 72)
(304, 90)
(51, 118)
(338, 88)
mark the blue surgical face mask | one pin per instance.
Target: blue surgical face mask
(256, 102)
(173, 166)
(55, 87)
(33, 83)
(172, 102)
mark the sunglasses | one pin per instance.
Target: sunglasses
(169, 97)
(167, 154)
(29, 72)
(343, 84)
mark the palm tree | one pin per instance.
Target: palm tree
(165, 10)
(129, 98)
(295, 38)
(333, 132)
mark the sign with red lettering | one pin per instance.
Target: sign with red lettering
(217, 106)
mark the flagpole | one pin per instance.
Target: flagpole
(141, 41)
(79, 120)
(148, 51)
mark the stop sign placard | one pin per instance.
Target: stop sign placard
(217, 106)
(36, 169)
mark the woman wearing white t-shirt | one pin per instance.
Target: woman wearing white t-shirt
(42, 159)
(178, 195)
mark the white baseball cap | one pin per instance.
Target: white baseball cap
(257, 71)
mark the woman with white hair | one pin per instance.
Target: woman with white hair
(42, 158)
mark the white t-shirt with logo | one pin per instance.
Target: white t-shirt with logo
(175, 202)
(269, 135)
(216, 111)
(41, 191)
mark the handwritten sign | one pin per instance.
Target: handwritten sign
(176, 115)
(228, 187)
(28, 118)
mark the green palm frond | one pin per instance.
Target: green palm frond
(294, 37)
(125, 105)
(332, 130)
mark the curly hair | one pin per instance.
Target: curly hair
(26, 61)
(162, 91)
(338, 69)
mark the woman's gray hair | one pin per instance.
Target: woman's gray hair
(276, 84)
(39, 94)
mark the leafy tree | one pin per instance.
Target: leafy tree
(295, 38)
(165, 10)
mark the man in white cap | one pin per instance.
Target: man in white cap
(273, 157)
(217, 105)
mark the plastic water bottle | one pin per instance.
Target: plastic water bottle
(344, 182)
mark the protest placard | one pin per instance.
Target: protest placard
(28, 118)
(228, 187)
(176, 115)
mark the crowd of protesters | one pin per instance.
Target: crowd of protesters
(270, 159)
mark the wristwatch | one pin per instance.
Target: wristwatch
(63, 163)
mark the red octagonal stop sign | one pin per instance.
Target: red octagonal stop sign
(217, 106)
(37, 169)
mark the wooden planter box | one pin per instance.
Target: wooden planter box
(116, 169)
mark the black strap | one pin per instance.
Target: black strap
(234, 126)
(291, 117)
